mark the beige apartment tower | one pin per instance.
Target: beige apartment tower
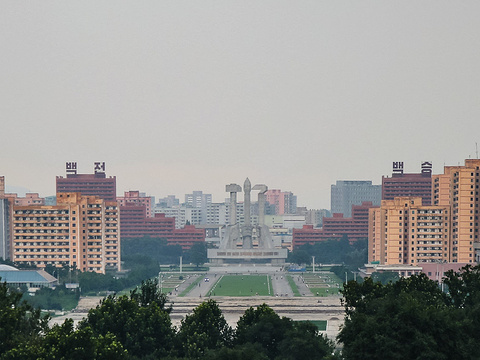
(80, 231)
(458, 188)
(403, 231)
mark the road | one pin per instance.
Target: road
(203, 288)
(280, 285)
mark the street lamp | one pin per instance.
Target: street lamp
(160, 282)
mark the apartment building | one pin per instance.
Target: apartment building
(408, 185)
(80, 231)
(404, 231)
(96, 184)
(458, 187)
(137, 198)
(28, 199)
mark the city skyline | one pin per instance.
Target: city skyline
(10, 188)
(183, 96)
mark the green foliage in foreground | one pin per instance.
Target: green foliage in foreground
(138, 326)
(50, 299)
(412, 318)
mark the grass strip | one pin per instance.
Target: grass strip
(191, 286)
(293, 286)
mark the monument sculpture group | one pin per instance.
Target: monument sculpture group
(247, 242)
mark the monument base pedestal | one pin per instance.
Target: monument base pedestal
(235, 256)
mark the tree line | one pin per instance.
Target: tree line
(333, 251)
(412, 318)
(138, 326)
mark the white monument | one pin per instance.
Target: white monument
(247, 243)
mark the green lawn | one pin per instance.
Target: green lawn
(323, 283)
(243, 285)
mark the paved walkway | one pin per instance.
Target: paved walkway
(281, 287)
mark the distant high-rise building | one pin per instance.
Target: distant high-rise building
(2, 187)
(284, 201)
(168, 202)
(315, 217)
(408, 185)
(346, 193)
(183, 215)
(96, 184)
(198, 199)
(335, 227)
(217, 214)
(137, 198)
(5, 220)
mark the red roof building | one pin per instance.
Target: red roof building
(134, 223)
(355, 227)
(187, 236)
(136, 198)
(89, 184)
(408, 185)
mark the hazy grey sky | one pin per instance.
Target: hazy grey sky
(178, 96)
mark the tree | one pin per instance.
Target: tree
(198, 253)
(281, 338)
(150, 294)
(238, 352)
(140, 322)
(205, 329)
(299, 257)
(156, 249)
(338, 252)
(385, 277)
(464, 286)
(20, 323)
(53, 299)
(64, 342)
(303, 341)
(409, 319)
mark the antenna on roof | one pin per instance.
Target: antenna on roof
(476, 148)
